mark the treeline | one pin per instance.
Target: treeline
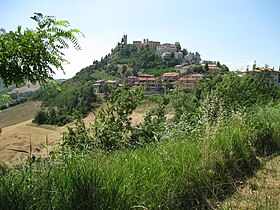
(62, 104)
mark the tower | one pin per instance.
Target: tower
(124, 40)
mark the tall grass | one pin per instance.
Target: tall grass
(185, 172)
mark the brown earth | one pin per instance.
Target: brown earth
(28, 87)
(18, 137)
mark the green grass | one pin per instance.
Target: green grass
(186, 172)
(19, 113)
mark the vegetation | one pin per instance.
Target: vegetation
(213, 139)
(19, 113)
(31, 54)
(188, 169)
(65, 103)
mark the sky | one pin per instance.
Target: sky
(234, 32)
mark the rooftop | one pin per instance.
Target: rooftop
(171, 74)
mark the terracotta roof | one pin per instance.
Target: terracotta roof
(171, 74)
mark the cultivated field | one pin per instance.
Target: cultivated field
(18, 131)
(19, 113)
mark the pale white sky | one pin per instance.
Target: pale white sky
(233, 32)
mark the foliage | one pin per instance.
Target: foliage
(239, 92)
(143, 59)
(152, 129)
(5, 100)
(159, 72)
(31, 54)
(64, 104)
(188, 171)
(184, 103)
(111, 128)
(78, 138)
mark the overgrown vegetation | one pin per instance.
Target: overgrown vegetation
(192, 148)
(65, 103)
(198, 156)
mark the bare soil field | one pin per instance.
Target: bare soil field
(28, 87)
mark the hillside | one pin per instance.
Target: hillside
(78, 94)
(18, 114)
(18, 130)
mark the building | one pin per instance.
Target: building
(99, 85)
(179, 56)
(211, 67)
(138, 44)
(170, 77)
(166, 55)
(153, 45)
(124, 40)
(152, 84)
(186, 82)
(146, 75)
(141, 45)
(185, 68)
(192, 58)
(196, 76)
(167, 47)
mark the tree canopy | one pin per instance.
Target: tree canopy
(33, 54)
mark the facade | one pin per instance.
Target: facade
(140, 45)
(185, 82)
(170, 77)
(151, 83)
(196, 76)
(211, 67)
(167, 47)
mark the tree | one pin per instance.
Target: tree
(33, 53)
(178, 46)
(41, 117)
(5, 100)
(185, 52)
(206, 68)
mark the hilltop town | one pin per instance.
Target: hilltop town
(186, 68)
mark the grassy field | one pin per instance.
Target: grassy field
(262, 191)
(185, 171)
(19, 113)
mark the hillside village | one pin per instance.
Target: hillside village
(184, 75)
